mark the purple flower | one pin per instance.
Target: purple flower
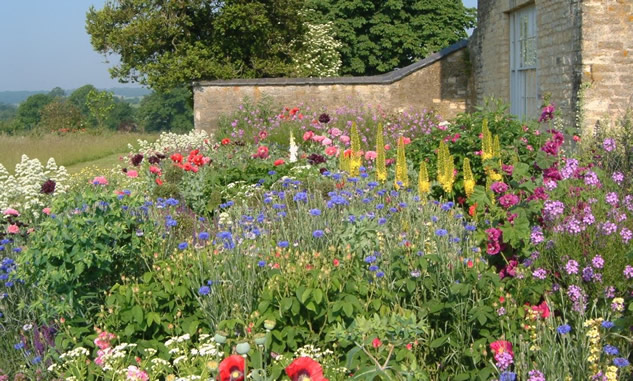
(597, 262)
(587, 274)
(499, 187)
(591, 179)
(507, 376)
(608, 144)
(552, 209)
(504, 360)
(578, 297)
(607, 324)
(571, 165)
(620, 362)
(539, 274)
(612, 198)
(508, 200)
(609, 228)
(609, 292)
(563, 329)
(628, 272)
(536, 236)
(204, 290)
(317, 233)
(617, 177)
(571, 267)
(536, 375)
(626, 235)
(611, 350)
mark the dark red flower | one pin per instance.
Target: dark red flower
(305, 367)
(48, 187)
(324, 118)
(137, 159)
(232, 368)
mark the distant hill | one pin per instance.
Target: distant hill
(17, 97)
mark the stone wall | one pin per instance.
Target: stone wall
(607, 50)
(439, 82)
(558, 24)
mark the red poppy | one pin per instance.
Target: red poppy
(305, 367)
(159, 181)
(177, 157)
(232, 368)
(278, 162)
(225, 141)
(472, 210)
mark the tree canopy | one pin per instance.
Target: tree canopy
(165, 44)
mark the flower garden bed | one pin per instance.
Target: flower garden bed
(335, 245)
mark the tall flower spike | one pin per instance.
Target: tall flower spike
(344, 161)
(355, 159)
(402, 178)
(486, 142)
(496, 147)
(449, 167)
(381, 169)
(469, 179)
(424, 186)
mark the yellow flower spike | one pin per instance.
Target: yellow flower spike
(401, 166)
(486, 142)
(440, 163)
(469, 178)
(424, 186)
(445, 168)
(381, 169)
(355, 157)
(496, 147)
(343, 162)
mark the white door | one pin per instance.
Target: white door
(523, 62)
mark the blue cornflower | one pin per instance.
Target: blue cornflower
(1, 247)
(326, 173)
(300, 196)
(446, 207)
(470, 228)
(210, 283)
(352, 179)
(364, 175)
(317, 234)
(366, 200)
(315, 212)
(203, 235)
(281, 214)
(370, 259)
(611, 350)
(18, 346)
(5, 241)
(230, 203)
(507, 376)
(17, 249)
(261, 263)
(402, 204)
(382, 221)
(362, 168)
(456, 240)
(172, 202)
(36, 360)
(380, 206)
(337, 176)
(434, 218)
(381, 192)
(607, 324)
(272, 172)
(458, 216)
(282, 244)
(183, 245)
(204, 290)
(441, 232)
(170, 222)
(394, 193)
(373, 268)
(393, 210)
(372, 184)
(279, 206)
(351, 218)
(268, 200)
(380, 274)
(620, 362)
(563, 329)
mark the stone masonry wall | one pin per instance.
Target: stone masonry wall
(607, 49)
(558, 50)
(438, 82)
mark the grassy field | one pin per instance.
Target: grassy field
(73, 151)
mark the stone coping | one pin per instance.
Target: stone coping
(382, 79)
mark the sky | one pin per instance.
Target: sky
(45, 44)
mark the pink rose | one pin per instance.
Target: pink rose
(344, 139)
(11, 212)
(308, 135)
(326, 141)
(336, 132)
(132, 173)
(100, 180)
(13, 229)
(331, 150)
(370, 155)
(47, 211)
(318, 138)
(406, 140)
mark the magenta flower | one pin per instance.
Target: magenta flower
(499, 187)
(508, 200)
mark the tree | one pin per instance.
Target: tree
(122, 117)
(79, 97)
(381, 35)
(165, 44)
(169, 110)
(100, 104)
(60, 114)
(7, 111)
(57, 92)
(28, 115)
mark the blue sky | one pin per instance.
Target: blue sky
(45, 44)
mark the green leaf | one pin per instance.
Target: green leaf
(439, 341)
(317, 295)
(305, 295)
(137, 313)
(348, 309)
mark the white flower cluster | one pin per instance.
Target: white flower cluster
(22, 190)
(319, 56)
(171, 142)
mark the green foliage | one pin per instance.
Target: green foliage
(29, 112)
(177, 42)
(86, 248)
(379, 36)
(168, 110)
(100, 103)
(60, 114)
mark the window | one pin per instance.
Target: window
(523, 63)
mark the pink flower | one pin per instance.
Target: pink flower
(262, 152)
(11, 212)
(326, 141)
(132, 173)
(100, 180)
(47, 211)
(376, 342)
(501, 346)
(308, 135)
(136, 374)
(344, 139)
(318, 138)
(263, 135)
(331, 150)
(336, 132)
(406, 140)
(370, 155)
(508, 200)
(387, 147)
(13, 229)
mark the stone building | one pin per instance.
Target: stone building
(577, 53)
